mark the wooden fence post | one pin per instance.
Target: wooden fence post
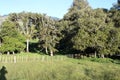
(43, 58)
(0, 58)
(14, 59)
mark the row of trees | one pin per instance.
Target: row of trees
(28, 26)
(82, 30)
(93, 31)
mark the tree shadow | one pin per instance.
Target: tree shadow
(3, 72)
(34, 47)
(66, 44)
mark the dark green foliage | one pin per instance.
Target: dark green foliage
(100, 60)
(86, 28)
(48, 35)
(27, 24)
(12, 40)
(12, 45)
(8, 29)
(114, 15)
(82, 30)
(116, 5)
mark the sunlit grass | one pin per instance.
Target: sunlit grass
(66, 69)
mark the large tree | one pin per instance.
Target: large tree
(12, 40)
(48, 35)
(27, 24)
(70, 22)
(90, 29)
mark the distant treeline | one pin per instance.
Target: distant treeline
(83, 30)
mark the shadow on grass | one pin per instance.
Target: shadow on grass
(3, 72)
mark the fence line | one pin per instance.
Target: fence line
(15, 59)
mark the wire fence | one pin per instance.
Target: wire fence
(16, 59)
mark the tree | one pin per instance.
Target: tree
(79, 7)
(70, 22)
(93, 32)
(12, 40)
(91, 28)
(114, 36)
(26, 24)
(114, 16)
(117, 5)
(48, 35)
(11, 45)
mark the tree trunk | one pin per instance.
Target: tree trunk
(13, 52)
(0, 42)
(27, 37)
(46, 50)
(0, 45)
(51, 53)
(27, 45)
(8, 53)
(102, 55)
(95, 54)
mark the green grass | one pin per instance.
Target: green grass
(67, 69)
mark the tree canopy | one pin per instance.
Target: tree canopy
(82, 30)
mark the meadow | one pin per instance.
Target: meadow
(59, 68)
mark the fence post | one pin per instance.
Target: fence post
(43, 58)
(6, 59)
(0, 59)
(14, 59)
(26, 58)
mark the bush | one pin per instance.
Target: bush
(100, 60)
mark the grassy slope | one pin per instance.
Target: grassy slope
(68, 69)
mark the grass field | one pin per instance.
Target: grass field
(57, 69)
